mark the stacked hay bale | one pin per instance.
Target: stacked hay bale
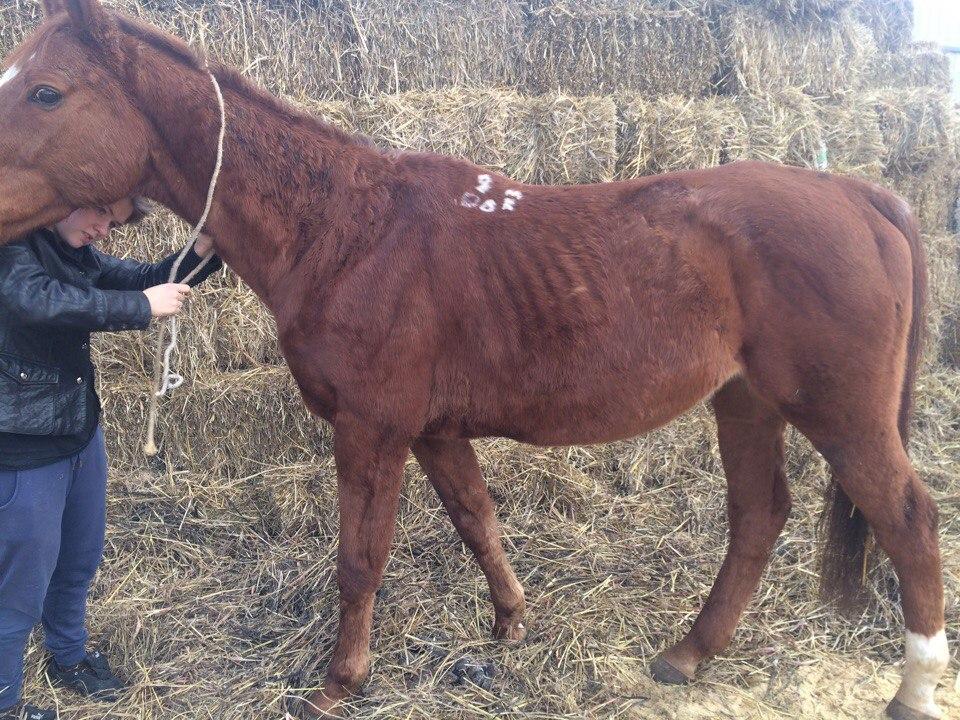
(546, 91)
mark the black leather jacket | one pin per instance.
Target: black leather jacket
(52, 297)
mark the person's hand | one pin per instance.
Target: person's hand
(167, 299)
(203, 246)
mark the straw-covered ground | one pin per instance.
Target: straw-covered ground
(218, 594)
(217, 597)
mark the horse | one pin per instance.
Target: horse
(423, 301)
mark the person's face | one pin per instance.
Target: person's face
(89, 224)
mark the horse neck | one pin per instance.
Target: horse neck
(290, 190)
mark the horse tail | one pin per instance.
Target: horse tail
(844, 561)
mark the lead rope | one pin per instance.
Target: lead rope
(165, 378)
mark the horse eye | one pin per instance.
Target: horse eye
(46, 96)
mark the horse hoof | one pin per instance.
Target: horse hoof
(320, 706)
(510, 632)
(665, 673)
(898, 711)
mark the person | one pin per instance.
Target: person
(55, 289)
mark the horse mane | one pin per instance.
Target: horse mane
(231, 78)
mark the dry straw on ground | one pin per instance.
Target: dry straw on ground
(763, 54)
(218, 594)
(618, 45)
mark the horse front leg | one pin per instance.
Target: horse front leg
(369, 475)
(451, 466)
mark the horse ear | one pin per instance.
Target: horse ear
(51, 7)
(89, 18)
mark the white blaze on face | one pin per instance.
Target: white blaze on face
(926, 659)
(9, 75)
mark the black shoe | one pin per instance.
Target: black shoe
(91, 677)
(28, 712)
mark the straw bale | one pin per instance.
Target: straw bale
(17, 19)
(919, 65)
(556, 139)
(918, 127)
(931, 192)
(613, 46)
(784, 10)
(793, 9)
(890, 21)
(543, 139)
(943, 318)
(676, 133)
(839, 135)
(225, 423)
(224, 327)
(433, 44)
(301, 48)
(822, 57)
(471, 124)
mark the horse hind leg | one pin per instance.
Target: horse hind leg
(451, 466)
(750, 434)
(876, 476)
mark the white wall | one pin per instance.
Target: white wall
(939, 21)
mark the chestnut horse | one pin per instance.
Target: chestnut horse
(422, 301)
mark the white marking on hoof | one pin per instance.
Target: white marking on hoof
(926, 659)
(9, 75)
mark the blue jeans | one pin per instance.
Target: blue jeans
(52, 522)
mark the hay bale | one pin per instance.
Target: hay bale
(615, 46)
(227, 423)
(17, 19)
(676, 133)
(433, 44)
(338, 113)
(300, 48)
(918, 128)
(471, 124)
(931, 192)
(943, 318)
(544, 139)
(762, 54)
(794, 9)
(790, 127)
(225, 327)
(787, 10)
(555, 139)
(889, 21)
(919, 65)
